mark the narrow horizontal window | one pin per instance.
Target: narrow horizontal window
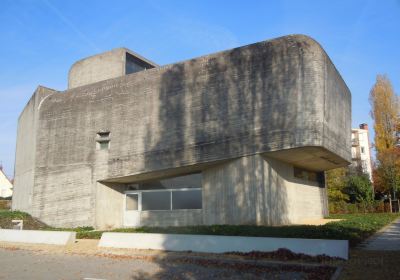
(103, 134)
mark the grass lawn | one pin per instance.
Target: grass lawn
(354, 227)
(6, 216)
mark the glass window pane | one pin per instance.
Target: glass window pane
(186, 199)
(103, 145)
(132, 201)
(156, 200)
(187, 181)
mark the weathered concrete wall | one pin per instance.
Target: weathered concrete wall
(109, 205)
(25, 156)
(104, 66)
(97, 68)
(259, 190)
(269, 96)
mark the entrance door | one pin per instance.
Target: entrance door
(131, 210)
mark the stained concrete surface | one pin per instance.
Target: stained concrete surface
(282, 96)
(388, 239)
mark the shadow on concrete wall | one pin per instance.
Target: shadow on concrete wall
(240, 102)
(232, 104)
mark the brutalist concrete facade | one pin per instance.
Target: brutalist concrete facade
(246, 119)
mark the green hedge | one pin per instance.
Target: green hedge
(353, 208)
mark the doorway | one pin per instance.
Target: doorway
(131, 209)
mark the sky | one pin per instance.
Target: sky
(41, 39)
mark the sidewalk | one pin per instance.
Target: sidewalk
(388, 239)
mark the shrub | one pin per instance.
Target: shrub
(359, 189)
(342, 207)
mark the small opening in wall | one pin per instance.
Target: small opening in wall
(103, 145)
(308, 175)
(103, 140)
(103, 134)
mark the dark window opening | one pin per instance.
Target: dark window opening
(186, 199)
(104, 145)
(103, 134)
(311, 176)
(103, 140)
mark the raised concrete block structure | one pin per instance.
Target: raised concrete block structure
(223, 244)
(37, 236)
(237, 137)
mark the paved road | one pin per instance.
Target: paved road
(25, 264)
(387, 240)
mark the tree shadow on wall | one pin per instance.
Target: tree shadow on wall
(236, 103)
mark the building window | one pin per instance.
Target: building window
(103, 140)
(311, 176)
(362, 150)
(132, 201)
(179, 193)
(186, 199)
(156, 200)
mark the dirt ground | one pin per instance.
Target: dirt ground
(364, 264)
(84, 260)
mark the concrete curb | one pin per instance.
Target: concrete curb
(222, 244)
(37, 236)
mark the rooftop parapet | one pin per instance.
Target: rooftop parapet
(107, 65)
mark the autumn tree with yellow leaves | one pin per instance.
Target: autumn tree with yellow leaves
(385, 113)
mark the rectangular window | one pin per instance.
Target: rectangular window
(156, 200)
(190, 199)
(300, 173)
(103, 140)
(104, 145)
(132, 202)
(103, 134)
(362, 150)
(309, 176)
(181, 182)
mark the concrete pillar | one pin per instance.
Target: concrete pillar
(259, 190)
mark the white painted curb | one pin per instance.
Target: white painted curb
(221, 244)
(37, 236)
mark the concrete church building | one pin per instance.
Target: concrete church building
(237, 137)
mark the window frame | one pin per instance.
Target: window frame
(126, 201)
(103, 139)
(139, 192)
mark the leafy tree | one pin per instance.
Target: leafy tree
(387, 173)
(385, 112)
(336, 182)
(359, 188)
